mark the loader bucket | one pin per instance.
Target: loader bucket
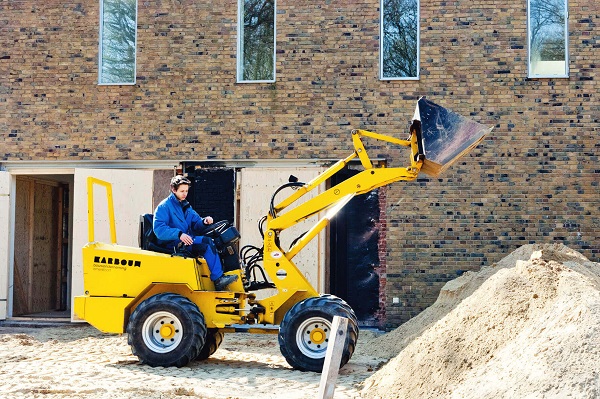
(445, 135)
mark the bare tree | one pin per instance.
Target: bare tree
(400, 34)
(118, 41)
(547, 30)
(258, 39)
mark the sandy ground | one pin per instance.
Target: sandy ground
(80, 362)
(527, 327)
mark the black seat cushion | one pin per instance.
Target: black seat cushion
(147, 239)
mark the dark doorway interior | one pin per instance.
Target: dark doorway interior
(213, 193)
(354, 253)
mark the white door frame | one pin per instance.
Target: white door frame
(7, 239)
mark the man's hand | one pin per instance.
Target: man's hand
(186, 239)
(208, 220)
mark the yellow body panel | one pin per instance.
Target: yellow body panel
(107, 314)
(117, 270)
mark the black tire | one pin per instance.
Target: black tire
(166, 330)
(214, 337)
(304, 332)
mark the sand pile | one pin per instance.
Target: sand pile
(526, 327)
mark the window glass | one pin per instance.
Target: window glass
(548, 38)
(118, 28)
(399, 39)
(256, 40)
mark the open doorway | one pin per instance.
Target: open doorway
(42, 249)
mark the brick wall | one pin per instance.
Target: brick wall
(534, 179)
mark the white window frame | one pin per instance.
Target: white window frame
(381, 53)
(530, 72)
(240, 45)
(100, 50)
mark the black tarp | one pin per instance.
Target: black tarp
(354, 252)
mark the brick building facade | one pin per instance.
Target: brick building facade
(533, 180)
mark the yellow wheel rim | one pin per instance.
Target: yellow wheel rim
(167, 331)
(317, 336)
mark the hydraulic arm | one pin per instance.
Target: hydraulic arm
(277, 261)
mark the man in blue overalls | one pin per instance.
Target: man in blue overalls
(176, 223)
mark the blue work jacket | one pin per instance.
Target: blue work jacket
(173, 218)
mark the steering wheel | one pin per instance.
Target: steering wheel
(209, 229)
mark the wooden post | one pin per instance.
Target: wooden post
(333, 357)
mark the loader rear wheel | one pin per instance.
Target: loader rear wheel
(214, 337)
(305, 329)
(166, 330)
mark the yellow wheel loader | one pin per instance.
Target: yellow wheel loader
(167, 304)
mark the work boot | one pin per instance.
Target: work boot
(222, 282)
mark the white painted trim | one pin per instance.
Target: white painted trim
(7, 190)
(68, 167)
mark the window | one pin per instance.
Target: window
(118, 29)
(256, 41)
(547, 33)
(399, 50)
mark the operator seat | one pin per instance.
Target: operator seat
(147, 239)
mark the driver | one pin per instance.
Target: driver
(176, 224)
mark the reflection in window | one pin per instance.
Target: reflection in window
(256, 45)
(548, 38)
(118, 24)
(399, 39)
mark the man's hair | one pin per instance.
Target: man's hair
(179, 180)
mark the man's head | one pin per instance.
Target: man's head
(180, 186)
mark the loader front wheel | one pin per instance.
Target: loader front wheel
(305, 329)
(166, 330)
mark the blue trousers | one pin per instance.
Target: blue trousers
(205, 247)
